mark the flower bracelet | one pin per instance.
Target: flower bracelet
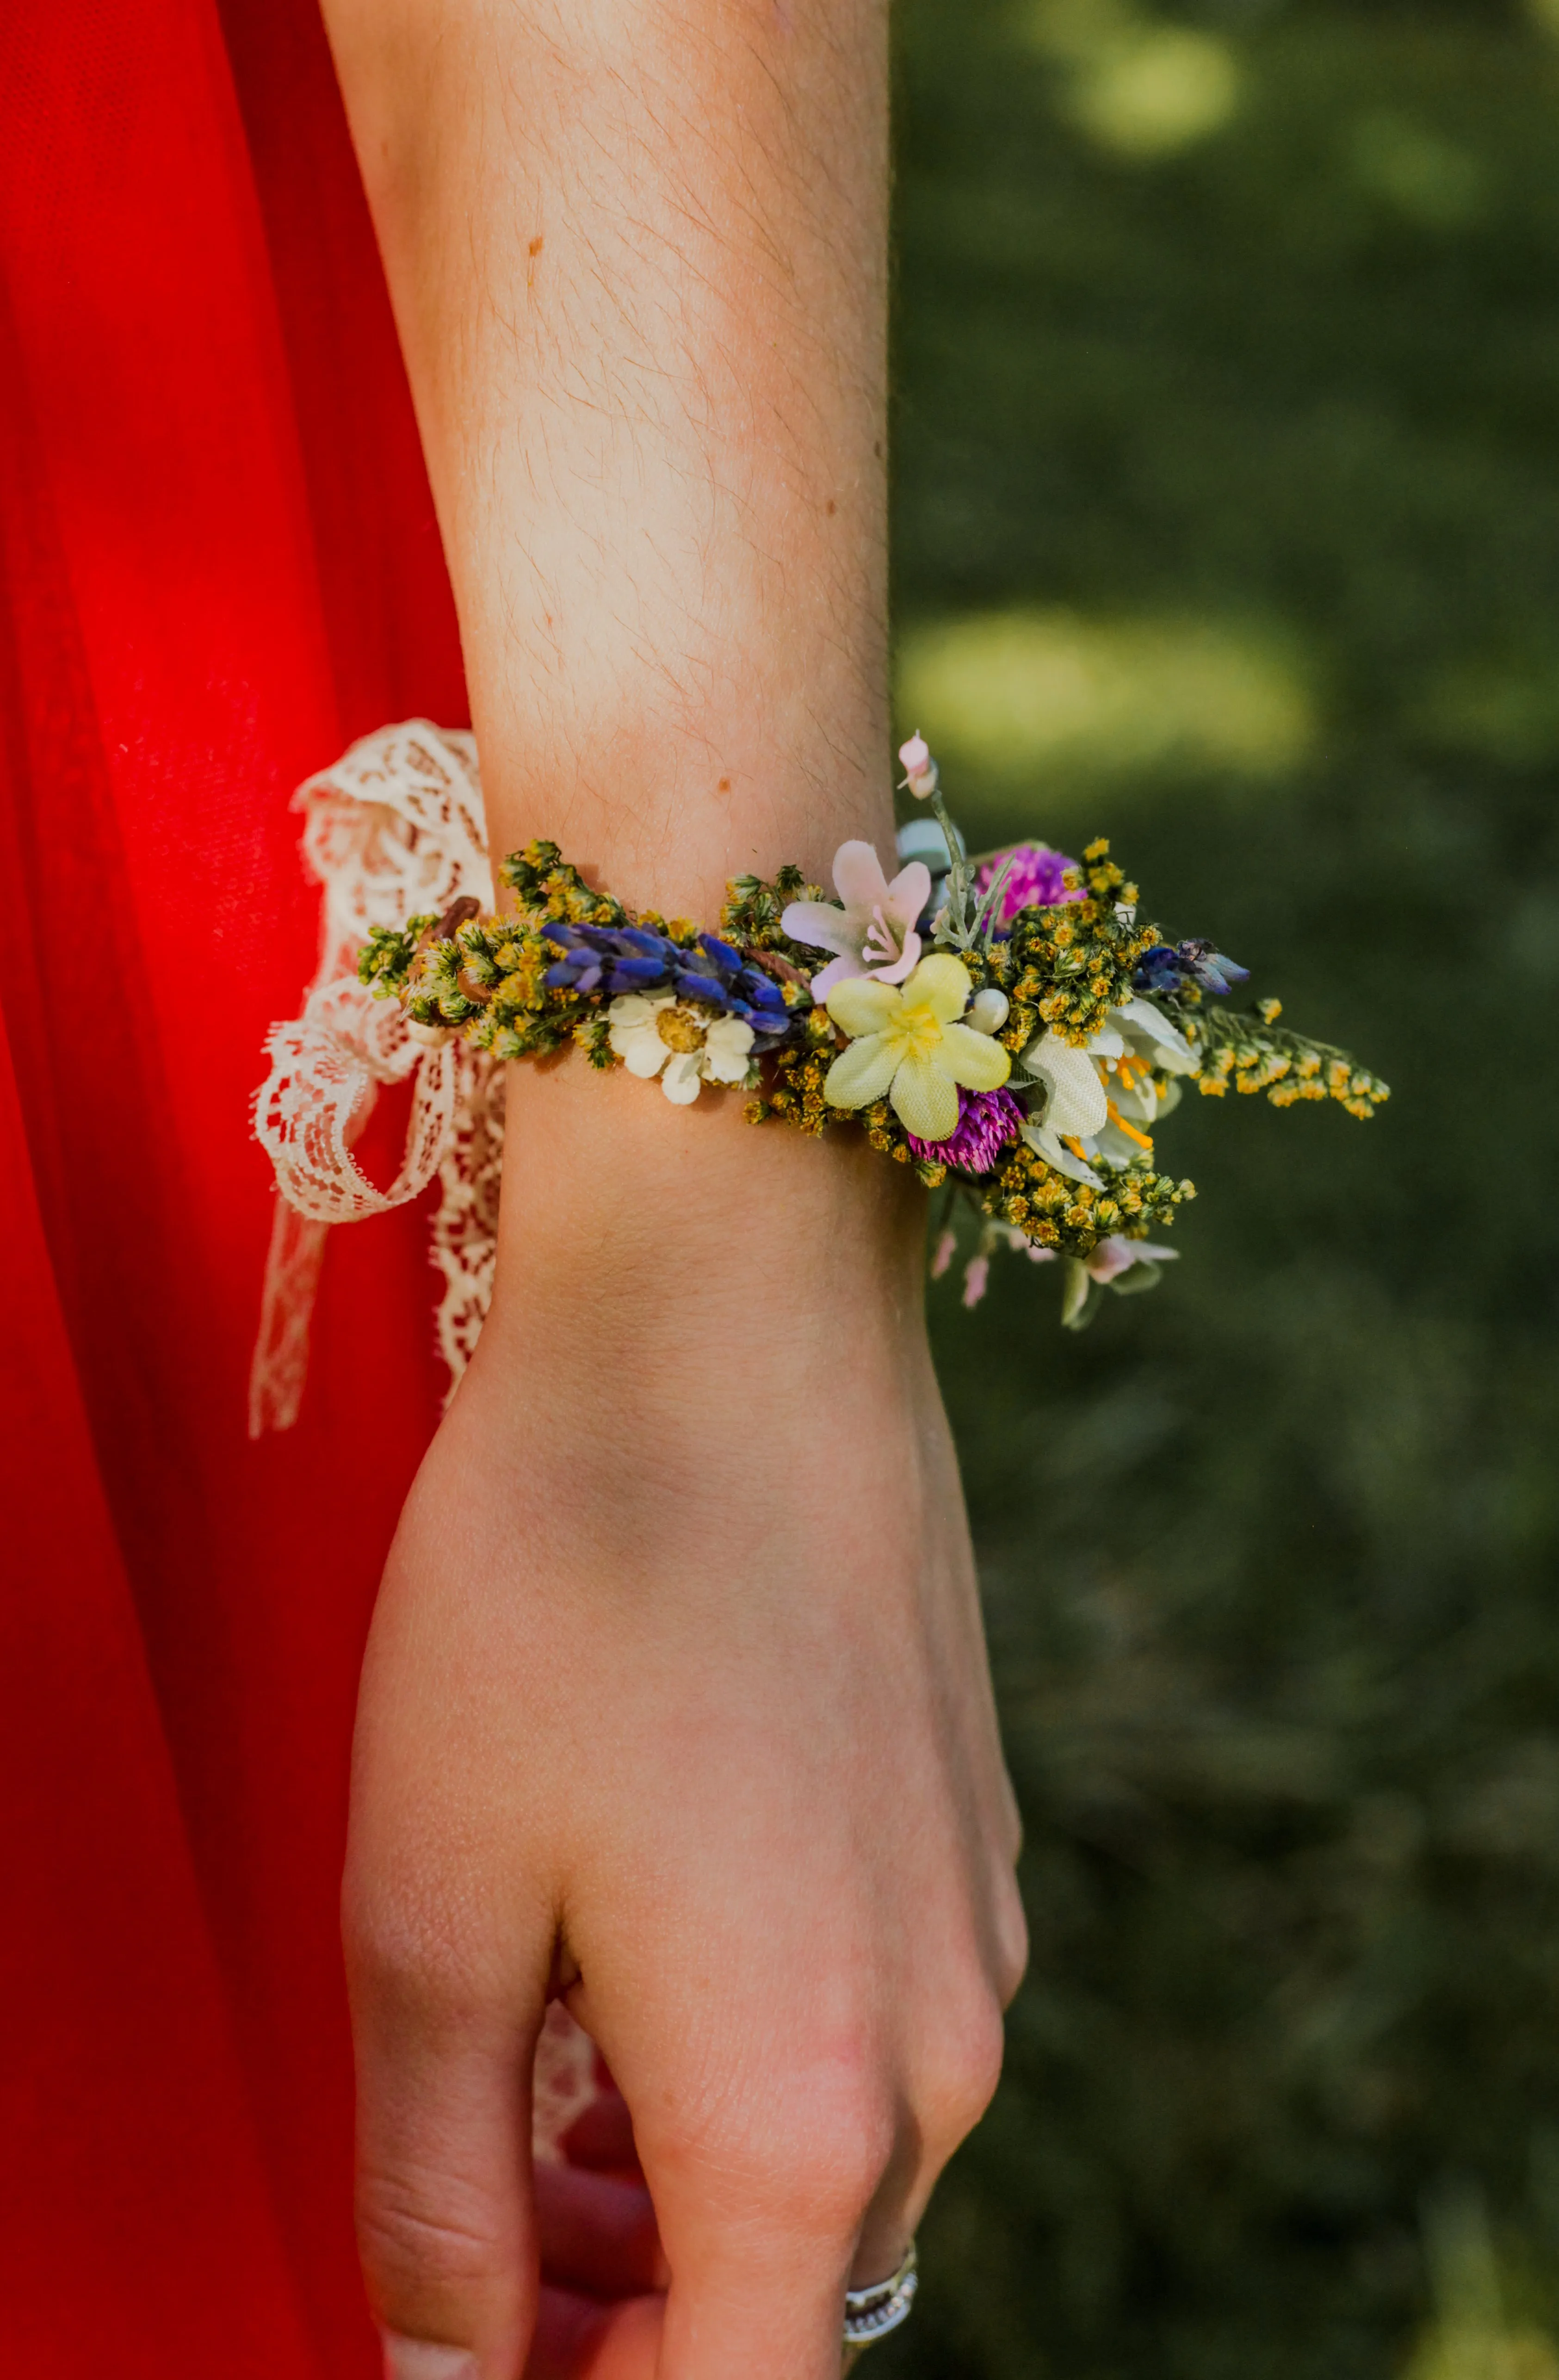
(1004, 1026)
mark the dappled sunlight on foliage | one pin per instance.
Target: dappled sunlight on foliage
(1227, 522)
(1136, 86)
(1075, 704)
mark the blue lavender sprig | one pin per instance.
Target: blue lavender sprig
(615, 959)
(1168, 968)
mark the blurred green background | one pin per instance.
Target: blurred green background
(1227, 522)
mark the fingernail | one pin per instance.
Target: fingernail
(423, 2359)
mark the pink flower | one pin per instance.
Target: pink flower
(987, 1121)
(919, 770)
(1035, 882)
(875, 932)
(1115, 1255)
(1111, 1259)
(977, 1276)
(946, 1249)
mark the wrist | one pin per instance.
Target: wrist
(691, 1317)
(616, 1198)
(776, 773)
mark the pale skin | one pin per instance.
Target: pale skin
(677, 1697)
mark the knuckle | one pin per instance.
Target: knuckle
(808, 2161)
(849, 2149)
(1010, 1961)
(418, 2236)
(400, 1953)
(1012, 1818)
(962, 2067)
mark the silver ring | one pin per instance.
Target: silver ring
(872, 2312)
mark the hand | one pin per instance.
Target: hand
(677, 1697)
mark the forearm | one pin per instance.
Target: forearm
(675, 1690)
(637, 258)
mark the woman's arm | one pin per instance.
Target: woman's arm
(675, 1692)
(638, 254)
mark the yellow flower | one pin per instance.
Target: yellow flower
(906, 1040)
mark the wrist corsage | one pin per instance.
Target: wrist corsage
(1006, 1027)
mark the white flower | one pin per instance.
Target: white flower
(650, 1031)
(1103, 1096)
(1075, 1107)
(1135, 1103)
(1149, 1035)
(910, 1047)
(874, 933)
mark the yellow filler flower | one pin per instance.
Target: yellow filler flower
(906, 1040)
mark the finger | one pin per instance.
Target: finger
(597, 2232)
(890, 2221)
(579, 2340)
(1009, 1927)
(759, 2217)
(777, 2320)
(955, 2071)
(444, 2222)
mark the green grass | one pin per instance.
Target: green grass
(1223, 419)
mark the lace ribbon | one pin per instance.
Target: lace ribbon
(394, 828)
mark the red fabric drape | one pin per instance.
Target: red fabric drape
(218, 565)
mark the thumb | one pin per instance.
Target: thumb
(446, 2220)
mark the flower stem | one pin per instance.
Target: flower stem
(955, 926)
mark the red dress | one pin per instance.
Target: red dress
(220, 566)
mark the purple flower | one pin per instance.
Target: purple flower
(1035, 882)
(987, 1121)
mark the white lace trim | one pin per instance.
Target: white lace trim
(393, 828)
